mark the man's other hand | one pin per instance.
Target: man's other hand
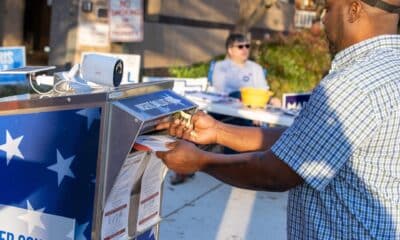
(183, 157)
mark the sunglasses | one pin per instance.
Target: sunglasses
(241, 46)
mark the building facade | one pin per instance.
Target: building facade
(175, 32)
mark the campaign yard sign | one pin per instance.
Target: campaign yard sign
(11, 58)
(295, 101)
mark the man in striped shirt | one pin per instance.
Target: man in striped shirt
(341, 157)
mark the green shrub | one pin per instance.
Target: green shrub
(295, 63)
(196, 70)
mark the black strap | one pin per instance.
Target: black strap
(383, 5)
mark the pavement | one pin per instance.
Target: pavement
(204, 208)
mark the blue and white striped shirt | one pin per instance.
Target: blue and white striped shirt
(345, 144)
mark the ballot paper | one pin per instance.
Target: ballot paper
(150, 194)
(153, 142)
(116, 212)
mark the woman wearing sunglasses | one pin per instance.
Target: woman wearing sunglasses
(236, 70)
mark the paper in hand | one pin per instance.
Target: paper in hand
(153, 142)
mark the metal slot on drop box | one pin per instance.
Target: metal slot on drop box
(130, 118)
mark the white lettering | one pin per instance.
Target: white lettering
(172, 100)
(295, 105)
(6, 57)
(10, 236)
(6, 235)
(144, 106)
(157, 103)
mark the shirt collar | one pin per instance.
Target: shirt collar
(237, 65)
(358, 50)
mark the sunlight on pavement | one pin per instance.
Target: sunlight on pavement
(235, 223)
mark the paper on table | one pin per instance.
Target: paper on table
(150, 194)
(208, 96)
(153, 142)
(116, 211)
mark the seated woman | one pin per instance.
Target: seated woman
(236, 70)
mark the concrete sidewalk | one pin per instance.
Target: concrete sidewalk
(204, 208)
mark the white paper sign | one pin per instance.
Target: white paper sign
(141, 170)
(116, 211)
(126, 20)
(150, 194)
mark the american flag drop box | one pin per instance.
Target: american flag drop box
(60, 155)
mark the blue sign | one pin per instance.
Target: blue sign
(48, 174)
(295, 100)
(11, 58)
(157, 104)
(48, 164)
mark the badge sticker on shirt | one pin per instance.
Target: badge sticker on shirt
(246, 78)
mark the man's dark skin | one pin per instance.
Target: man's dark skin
(347, 22)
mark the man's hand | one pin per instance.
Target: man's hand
(183, 157)
(203, 129)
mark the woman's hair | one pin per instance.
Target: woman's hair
(235, 37)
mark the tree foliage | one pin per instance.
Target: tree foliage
(295, 63)
(250, 12)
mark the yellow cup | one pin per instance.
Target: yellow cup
(255, 97)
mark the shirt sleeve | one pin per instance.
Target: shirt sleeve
(260, 81)
(337, 119)
(218, 78)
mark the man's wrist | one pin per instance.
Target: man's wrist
(220, 129)
(204, 160)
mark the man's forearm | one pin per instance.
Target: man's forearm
(256, 171)
(244, 139)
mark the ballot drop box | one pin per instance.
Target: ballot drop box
(67, 168)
